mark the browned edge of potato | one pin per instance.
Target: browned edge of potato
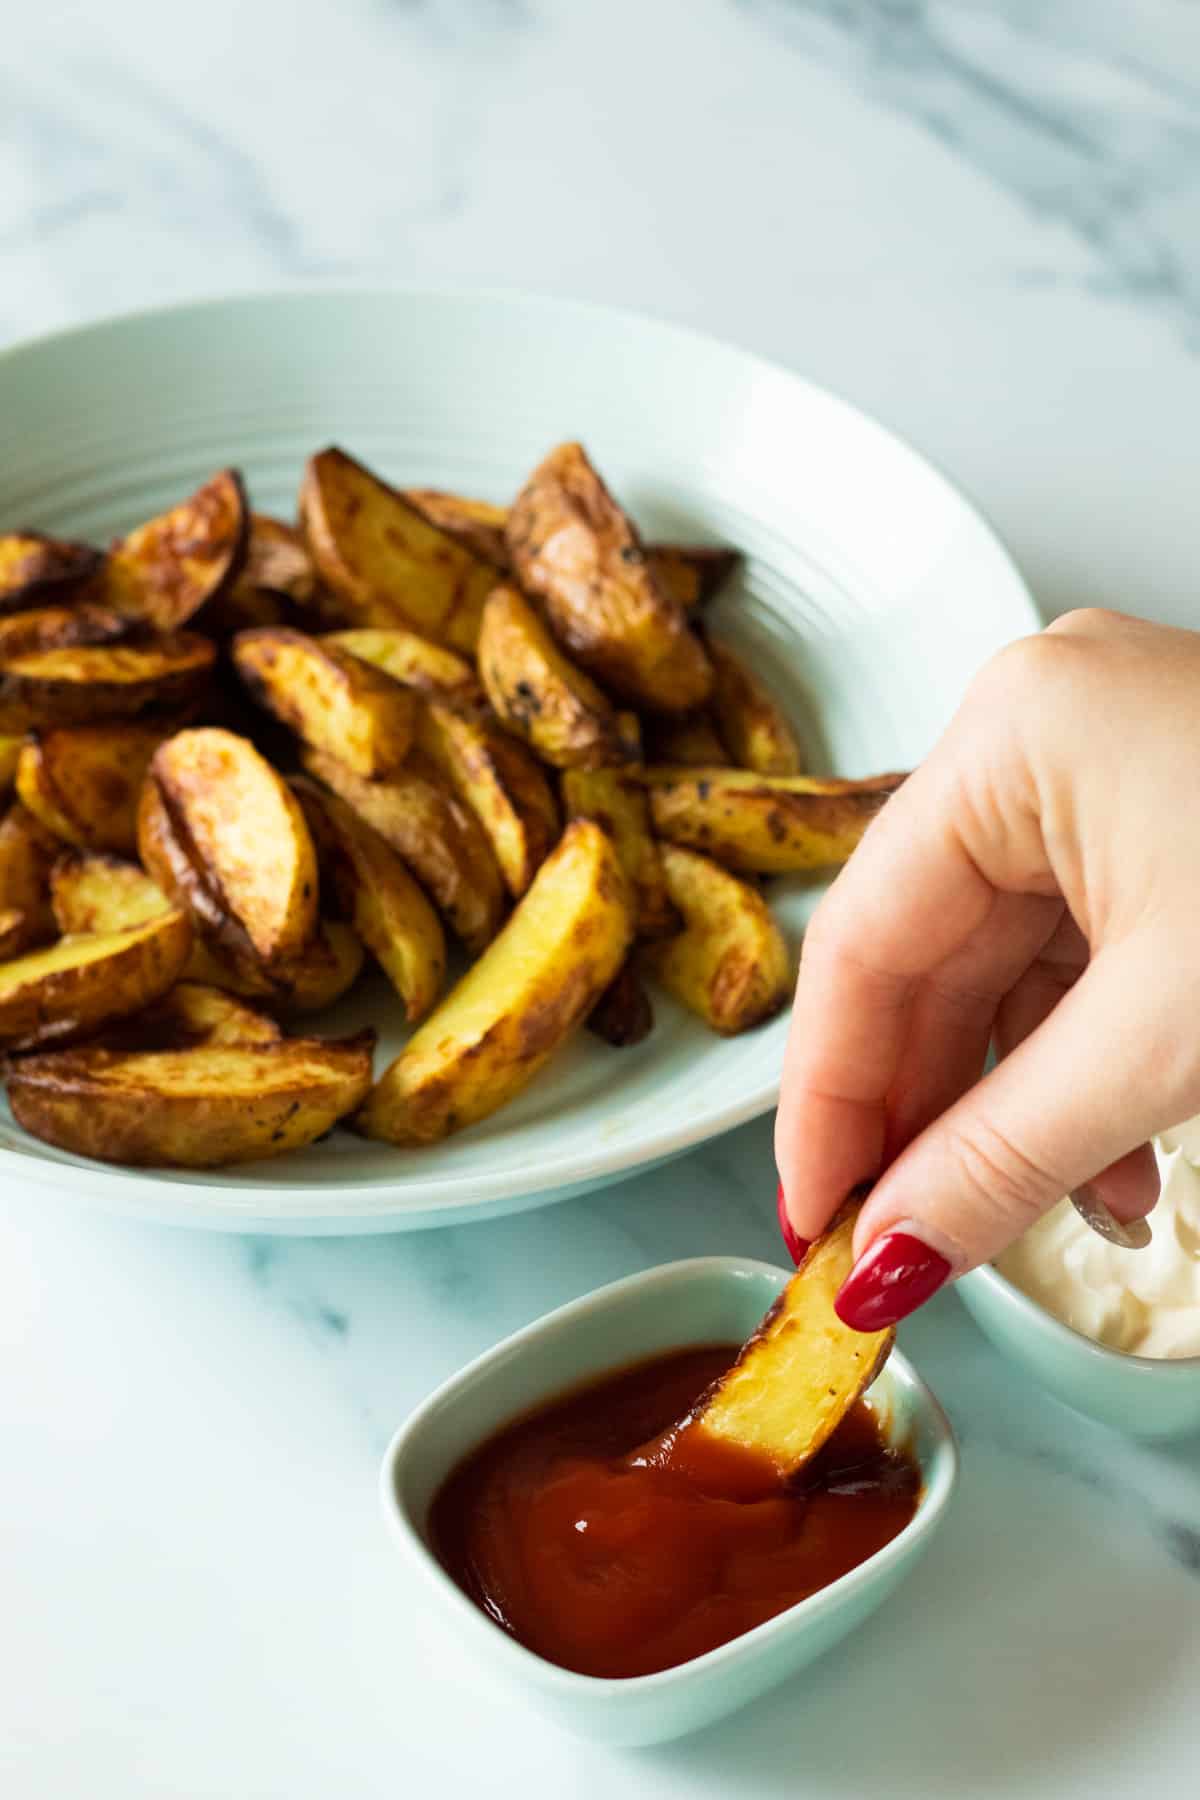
(729, 965)
(84, 784)
(78, 984)
(188, 1014)
(36, 570)
(765, 824)
(84, 684)
(692, 574)
(58, 628)
(331, 699)
(161, 574)
(414, 660)
(621, 807)
(539, 695)
(623, 1015)
(500, 781)
(748, 718)
(27, 855)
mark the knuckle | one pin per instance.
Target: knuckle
(1005, 1186)
(1086, 621)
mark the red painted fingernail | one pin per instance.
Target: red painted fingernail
(796, 1245)
(895, 1276)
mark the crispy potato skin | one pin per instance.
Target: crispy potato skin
(43, 571)
(434, 835)
(193, 1108)
(58, 628)
(384, 562)
(800, 1373)
(730, 963)
(84, 784)
(538, 695)
(191, 1013)
(415, 661)
(86, 684)
(763, 823)
(477, 524)
(27, 854)
(500, 781)
(331, 699)
(692, 574)
(320, 974)
(514, 1007)
(750, 722)
(572, 546)
(692, 742)
(623, 1015)
(78, 984)
(165, 571)
(620, 806)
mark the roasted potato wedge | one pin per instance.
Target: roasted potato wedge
(277, 562)
(768, 824)
(86, 684)
(43, 571)
(58, 628)
(540, 696)
(476, 523)
(10, 751)
(692, 574)
(572, 546)
(196, 1108)
(434, 834)
(750, 722)
(102, 893)
(623, 1015)
(383, 561)
(518, 1003)
(18, 933)
(84, 784)
(80, 983)
(27, 854)
(692, 742)
(385, 905)
(415, 661)
(498, 779)
(327, 967)
(331, 699)
(620, 806)
(729, 964)
(243, 827)
(191, 1014)
(800, 1373)
(165, 571)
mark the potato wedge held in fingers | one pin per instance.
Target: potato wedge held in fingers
(749, 721)
(384, 562)
(572, 546)
(27, 855)
(84, 784)
(620, 806)
(414, 660)
(692, 574)
(58, 628)
(623, 1015)
(730, 963)
(245, 829)
(191, 1013)
(800, 1373)
(197, 1108)
(80, 983)
(86, 684)
(329, 698)
(42, 571)
(435, 836)
(539, 695)
(769, 824)
(166, 570)
(514, 1007)
(500, 781)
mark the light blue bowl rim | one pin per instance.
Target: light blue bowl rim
(1075, 1343)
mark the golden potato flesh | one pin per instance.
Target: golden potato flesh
(571, 545)
(42, 571)
(515, 1006)
(692, 574)
(416, 661)
(84, 784)
(476, 523)
(85, 684)
(166, 570)
(27, 855)
(768, 824)
(539, 695)
(331, 699)
(748, 718)
(58, 628)
(80, 983)
(620, 806)
(102, 893)
(500, 781)
(191, 1013)
(730, 963)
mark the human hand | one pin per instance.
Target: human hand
(1036, 882)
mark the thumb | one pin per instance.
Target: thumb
(1109, 1066)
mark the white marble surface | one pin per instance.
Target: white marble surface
(982, 222)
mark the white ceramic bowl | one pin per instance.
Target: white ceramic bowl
(705, 1301)
(871, 592)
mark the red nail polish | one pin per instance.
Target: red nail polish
(895, 1276)
(796, 1246)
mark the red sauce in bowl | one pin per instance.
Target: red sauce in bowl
(619, 1568)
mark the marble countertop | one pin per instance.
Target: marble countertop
(982, 223)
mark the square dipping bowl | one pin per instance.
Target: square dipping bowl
(1143, 1396)
(705, 1301)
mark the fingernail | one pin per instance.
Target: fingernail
(1133, 1235)
(796, 1245)
(895, 1276)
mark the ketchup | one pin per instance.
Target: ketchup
(619, 1567)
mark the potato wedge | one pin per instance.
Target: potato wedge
(10, 751)
(43, 571)
(749, 721)
(244, 828)
(692, 574)
(433, 833)
(18, 933)
(277, 561)
(764, 823)
(729, 964)
(383, 561)
(518, 1003)
(191, 1014)
(80, 983)
(623, 1015)
(331, 699)
(90, 683)
(197, 1108)
(84, 784)
(385, 905)
(102, 893)
(327, 967)
(416, 661)
(799, 1375)
(27, 853)
(572, 546)
(499, 780)
(476, 523)
(692, 742)
(540, 696)
(620, 806)
(166, 570)
(58, 628)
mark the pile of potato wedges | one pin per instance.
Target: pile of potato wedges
(240, 757)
